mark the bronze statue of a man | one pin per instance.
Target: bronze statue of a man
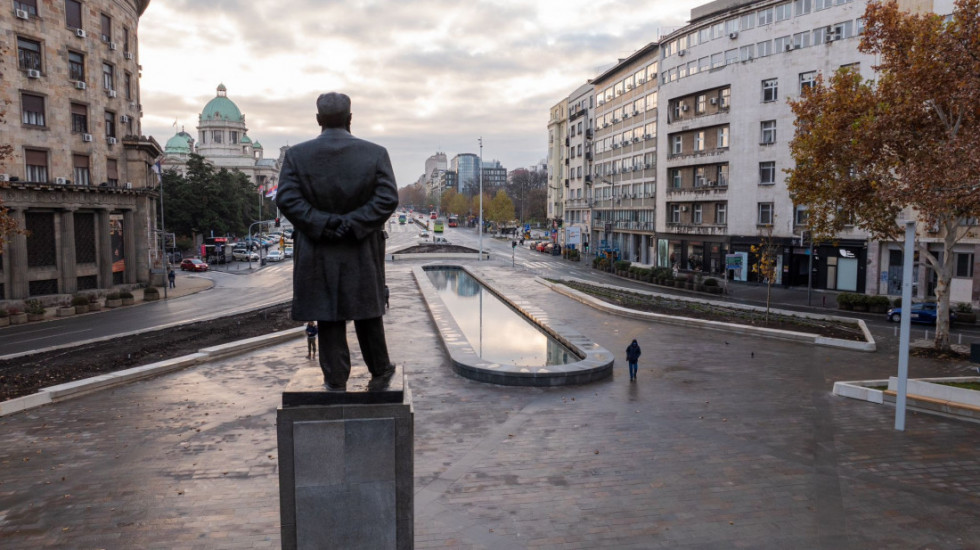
(338, 190)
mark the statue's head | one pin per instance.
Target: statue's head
(333, 110)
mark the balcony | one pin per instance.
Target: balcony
(697, 229)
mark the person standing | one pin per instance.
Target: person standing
(311, 340)
(338, 190)
(632, 357)
(172, 277)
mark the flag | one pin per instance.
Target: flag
(271, 193)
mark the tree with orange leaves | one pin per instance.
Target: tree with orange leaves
(8, 225)
(868, 152)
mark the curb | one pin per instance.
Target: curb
(68, 390)
(868, 345)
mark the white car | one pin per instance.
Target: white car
(275, 256)
(243, 255)
(288, 252)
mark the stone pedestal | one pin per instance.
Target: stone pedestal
(346, 463)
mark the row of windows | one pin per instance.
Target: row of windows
(709, 175)
(697, 213)
(218, 136)
(36, 168)
(623, 139)
(632, 81)
(29, 58)
(34, 113)
(630, 108)
(699, 141)
(73, 19)
(761, 17)
(805, 39)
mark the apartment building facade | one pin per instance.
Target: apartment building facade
(578, 181)
(557, 152)
(79, 178)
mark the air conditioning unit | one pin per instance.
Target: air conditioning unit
(647, 136)
(629, 86)
(128, 55)
(4, 177)
(713, 101)
(80, 85)
(733, 35)
(683, 107)
(86, 137)
(129, 185)
(647, 166)
(605, 124)
(111, 140)
(615, 145)
(80, 33)
(788, 47)
(22, 14)
(615, 120)
(112, 46)
(33, 73)
(110, 93)
(60, 181)
(123, 119)
(636, 113)
(641, 81)
(681, 53)
(625, 116)
(683, 209)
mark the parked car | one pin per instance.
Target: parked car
(423, 234)
(440, 240)
(193, 264)
(541, 246)
(243, 255)
(274, 256)
(288, 252)
(924, 313)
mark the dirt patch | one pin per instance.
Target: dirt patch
(436, 248)
(28, 374)
(725, 314)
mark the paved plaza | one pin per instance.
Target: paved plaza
(724, 441)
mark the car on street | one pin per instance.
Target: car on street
(243, 255)
(440, 240)
(925, 313)
(423, 234)
(193, 264)
(288, 252)
(275, 256)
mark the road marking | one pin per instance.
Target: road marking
(19, 340)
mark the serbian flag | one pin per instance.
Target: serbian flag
(271, 193)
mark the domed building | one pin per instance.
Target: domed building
(222, 138)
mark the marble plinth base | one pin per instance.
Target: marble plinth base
(346, 463)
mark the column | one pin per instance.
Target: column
(66, 251)
(129, 244)
(103, 248)
(16, 254)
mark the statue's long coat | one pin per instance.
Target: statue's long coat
(337, 173)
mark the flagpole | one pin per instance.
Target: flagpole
(164, 260)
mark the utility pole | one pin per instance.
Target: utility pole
(480, 257)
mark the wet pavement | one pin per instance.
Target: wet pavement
(723, 441)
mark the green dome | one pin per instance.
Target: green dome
(179, 144)
(222, 108)
(256, 145)
(246, 139)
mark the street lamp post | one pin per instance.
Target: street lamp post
(480, 258)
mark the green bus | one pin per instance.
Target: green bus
(438, 226)
(402, 219)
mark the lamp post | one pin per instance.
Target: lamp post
(480, 257)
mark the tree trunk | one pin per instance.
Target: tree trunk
(944, 276)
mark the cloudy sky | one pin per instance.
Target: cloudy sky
(423, 75)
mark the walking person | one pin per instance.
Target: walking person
(172, 277)
(387, 295)
(632, 356)
(311, 333)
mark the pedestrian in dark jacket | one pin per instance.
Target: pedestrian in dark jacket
(311, 333)
(632, 356)
(172, 277)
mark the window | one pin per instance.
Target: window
(747, 22)
(722, 176)
(675, 213)
(79, 118)
(724, 98)
(112, 172)
(770, 90)
(73, 14)
(108, 76)
(784, 11)
(699, 179)
(30, 6)
(76, 66)
(699, 141)
(721, 213)
(128, 85)
(964, 265)
(28, 54)
(32, 109)
(722, 141)
(803, 7)
(125, 40)
(36, 165)
(675, 178)
(822, 4)
(696, 214)
(110, 124)
(763, 49)
(704, 64)
(731, 56)
(800, 215)
(717, 30)
(765, 214)
(80, 164)
(767, 173)
(782, 44)
(765, 16)
(701, 104)
(819, 35)
(746, 53)
(768, 132)
(807, 80)
(216, 136)
(675, 110)
(704, 35)
(106, 28)
(801, 40)
(676, 142)
(717, 60)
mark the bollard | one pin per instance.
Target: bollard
(824, 301)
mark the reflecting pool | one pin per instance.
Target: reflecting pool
(496, 331)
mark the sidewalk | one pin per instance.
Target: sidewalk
(721, 442)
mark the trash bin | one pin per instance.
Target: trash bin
(262, 262)
(975, 353)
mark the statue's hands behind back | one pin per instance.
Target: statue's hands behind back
(337, 227)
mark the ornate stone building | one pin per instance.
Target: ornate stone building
(79, 178)
(222, 139)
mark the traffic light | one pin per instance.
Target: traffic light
(277, 222)
(513, 244)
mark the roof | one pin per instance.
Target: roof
(222, 108)
(182, 142)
